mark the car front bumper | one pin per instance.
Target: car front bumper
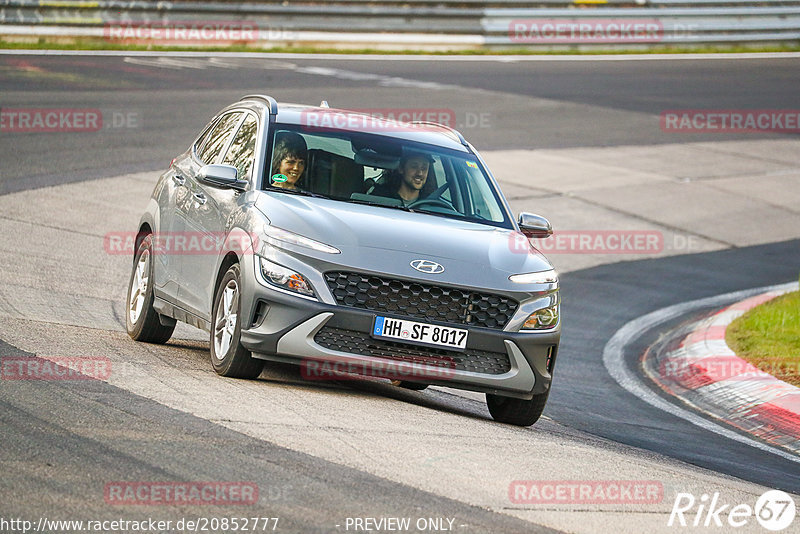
(319, 336)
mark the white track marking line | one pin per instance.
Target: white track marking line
(613, 360)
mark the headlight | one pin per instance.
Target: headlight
(543, 319)
(283, 278)
(542, 277)
(273, 234)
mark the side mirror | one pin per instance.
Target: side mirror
(534, 226)
(225, 176)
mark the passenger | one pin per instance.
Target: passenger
(412, 180)
(288, 160)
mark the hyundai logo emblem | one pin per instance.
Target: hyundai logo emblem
(427, 266)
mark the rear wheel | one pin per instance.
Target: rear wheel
(142, 321)
(228, 356)
(518, 412)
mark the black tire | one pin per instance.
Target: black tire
(145, 325)
(416, 386)
(234, 361)
(518, 412)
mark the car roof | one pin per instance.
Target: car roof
(332, 119)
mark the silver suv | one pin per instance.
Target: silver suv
(352, 246)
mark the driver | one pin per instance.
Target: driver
(412, 180)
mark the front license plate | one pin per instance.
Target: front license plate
(420, 333)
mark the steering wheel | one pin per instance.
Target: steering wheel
(435, 199)
(442, 203)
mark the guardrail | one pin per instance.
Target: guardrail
(413, 23)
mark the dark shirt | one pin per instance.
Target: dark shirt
(385, 190)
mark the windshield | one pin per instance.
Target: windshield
(382, 171)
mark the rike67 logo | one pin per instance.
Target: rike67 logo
(774, 510)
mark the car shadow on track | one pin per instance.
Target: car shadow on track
(195, 354)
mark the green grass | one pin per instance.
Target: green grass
(768, 336)
(60, 43)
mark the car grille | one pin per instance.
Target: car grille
(353, 342)
(423, 301)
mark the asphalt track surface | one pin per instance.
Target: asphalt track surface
(575, 104)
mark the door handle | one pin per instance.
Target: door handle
(178, 179)
(200, 198)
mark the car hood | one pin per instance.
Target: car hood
(379, 239)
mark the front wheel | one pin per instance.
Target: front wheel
(520, 412)
(228, 356)
(141, 320)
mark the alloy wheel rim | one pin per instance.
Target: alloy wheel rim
(225, 319)
(139, 283)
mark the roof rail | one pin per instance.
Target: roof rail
(455, 132)
(273, 104)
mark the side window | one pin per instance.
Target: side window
(219, 137)
(198, 146)
(243, 148)
(481, 195)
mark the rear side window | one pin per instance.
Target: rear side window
(219, 137)
(243, 148)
